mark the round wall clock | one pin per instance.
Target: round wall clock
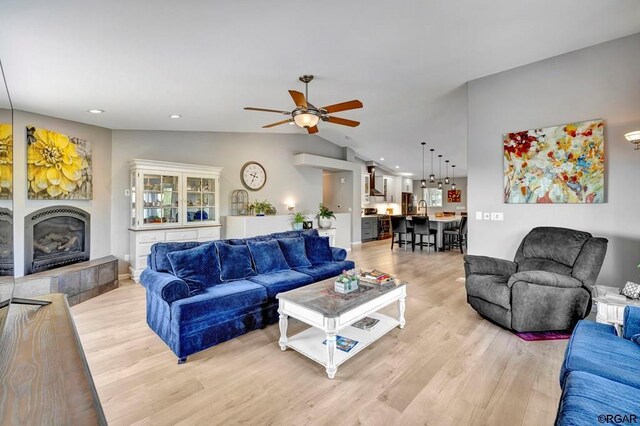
(253, 176)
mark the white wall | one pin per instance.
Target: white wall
(338, 196)
(99, 207)
(302, 185)
(597, 82)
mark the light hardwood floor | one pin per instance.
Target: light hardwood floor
(447, 367)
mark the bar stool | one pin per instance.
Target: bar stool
(422, 227)
(399, 227)
(457, 237)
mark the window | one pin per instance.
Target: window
(433, 197)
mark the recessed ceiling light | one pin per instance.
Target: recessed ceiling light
(397, 167)
(175, 116)
(381, 158)
(96, 111)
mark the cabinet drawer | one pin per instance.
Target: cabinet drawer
(151, 237)
(209, 233)
(182, 235)
(367, 234)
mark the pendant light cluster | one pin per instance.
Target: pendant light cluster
(432, 177)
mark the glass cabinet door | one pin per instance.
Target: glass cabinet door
(160, 199)
(132, 194)
(201, 200)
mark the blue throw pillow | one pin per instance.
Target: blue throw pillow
(235, 261)
(198, 267)
(294, 252)
(267, 256)
(318, 249)
(636, 338)
(159, 251)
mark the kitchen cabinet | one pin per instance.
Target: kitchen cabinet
(366, 182)
(407, 185)
(369, 230)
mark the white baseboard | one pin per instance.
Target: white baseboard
(124, 276)
(355, 243)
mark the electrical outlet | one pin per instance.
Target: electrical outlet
(126, 257)
(494, 216)
(487, 216)
(127, 192)
(478, 215)
(500, 216)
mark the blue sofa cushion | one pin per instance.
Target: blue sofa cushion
(216, 301)
(158, 257)
(279, 282)
(595, 348)
(267, 256)
(631, 321)
(327, 270)
(198, 267)
(294, 252)
(585, 397)
(235, 261)
(318, 249)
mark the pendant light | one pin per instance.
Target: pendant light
(432, 177)
(453, 177)
(446, 176)
(423, 182)
(440, 171)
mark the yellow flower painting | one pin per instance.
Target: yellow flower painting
(6, 161)
(58, 166)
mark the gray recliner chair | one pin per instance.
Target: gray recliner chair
(546, 287)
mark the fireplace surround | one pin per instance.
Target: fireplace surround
(55, 236)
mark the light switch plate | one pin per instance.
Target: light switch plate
(487, 216)
(478, 215)
(127, 192)
(494, 216)
(499, 216)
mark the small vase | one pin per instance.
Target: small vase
(324, 223)
(297, 226)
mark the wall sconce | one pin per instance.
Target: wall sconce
(291, 205)
(634, 138)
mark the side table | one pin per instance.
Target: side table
(610, 311)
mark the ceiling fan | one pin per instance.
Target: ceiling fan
(306, 115)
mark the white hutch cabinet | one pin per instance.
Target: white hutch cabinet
(171, 202)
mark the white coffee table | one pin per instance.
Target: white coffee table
(331, 314)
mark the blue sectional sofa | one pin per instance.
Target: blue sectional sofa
(600, 376)
(202, 294)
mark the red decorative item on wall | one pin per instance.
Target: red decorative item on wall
(454, 195)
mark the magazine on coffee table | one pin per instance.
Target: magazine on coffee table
(366, 323)
(344, 343)
(376, 277)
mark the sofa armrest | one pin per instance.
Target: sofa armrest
(631, 322)
(164, 285)
(339, 254)
(484, 265)
(544, 278)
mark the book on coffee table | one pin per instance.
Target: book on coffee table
(366, 323)
(344, 343)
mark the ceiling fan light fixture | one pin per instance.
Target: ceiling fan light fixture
(306, 119)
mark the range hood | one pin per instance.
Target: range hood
(373, 191)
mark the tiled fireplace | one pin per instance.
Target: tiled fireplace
(54, 237)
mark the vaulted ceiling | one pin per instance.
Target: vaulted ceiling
(408, 62)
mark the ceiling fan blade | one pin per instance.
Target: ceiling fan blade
(277, 123)
(342, 121)
(267, 110)
(312, 130)
(298, 98)
(343, 106)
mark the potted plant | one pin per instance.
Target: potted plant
(324, 216)
(297, 219)
(261, 208)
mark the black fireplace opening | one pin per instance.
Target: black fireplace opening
(6, 242)
(56, 236)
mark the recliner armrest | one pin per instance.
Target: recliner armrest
(164, 285)
(339, 254)
(544, 278)
(631, 322)
(484, 265)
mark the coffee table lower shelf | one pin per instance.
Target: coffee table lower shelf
(310, 342)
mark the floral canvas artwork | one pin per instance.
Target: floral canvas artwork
(58, 166)
(6, 161)
(454, 195)
(560, 164)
